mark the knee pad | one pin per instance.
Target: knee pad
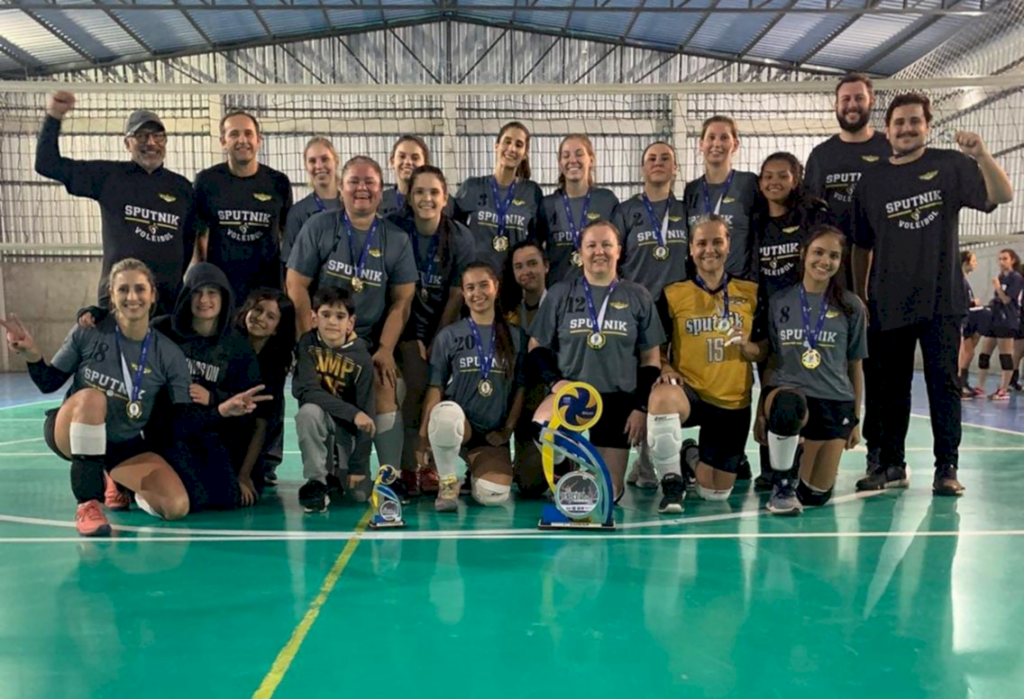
(1006, 362)
(712, 495)
(489, 494)
(664, 436)
(447, 425)
(984, 361)
(812, 498)
(789, 408)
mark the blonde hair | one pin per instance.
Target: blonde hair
(130, 264)
(326, 143)
(589, 147)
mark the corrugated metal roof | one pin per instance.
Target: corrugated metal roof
(847, 40)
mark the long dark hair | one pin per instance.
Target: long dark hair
(444, 228)
(1013, 256)
(281, 345)
(511, 293)
(523, 171)
(505, 350)
(834, 294)
(799, 193)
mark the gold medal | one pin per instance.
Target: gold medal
(424, 294)
(661, 252)
(724, 325)
(811, 359)
(485, 388)
(500, 243)
(357, 284)
(134, 409)
(577, 260)
(596, 341)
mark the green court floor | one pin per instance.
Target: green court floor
(892, 595)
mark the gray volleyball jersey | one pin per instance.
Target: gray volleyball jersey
(631, 325)
(322, 252)
(391, 202)
(305, 209)
(455, 368)
(91, 355)
(475, 206)
(843, 339)
(554, 232)
(736, 208)
(639, 242)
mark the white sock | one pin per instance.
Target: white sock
(88, 440)
(388, 439)
(782, 450)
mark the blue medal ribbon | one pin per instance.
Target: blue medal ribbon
(486, 358)
(358, 273)
(660, 229)
(427, 271)
(811, 338)
(573, 229)
(724, 289)
(133, 383)
(399, 199)
(707, 195)
(320, 206)
(597, 317)
(501, 208)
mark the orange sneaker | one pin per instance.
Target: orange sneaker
(90, 519)
(113, 498)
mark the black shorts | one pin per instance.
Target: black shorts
(972, 323)
(117, 453)
(828, 419)
(723, 432)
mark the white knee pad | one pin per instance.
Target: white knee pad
(664, 436)
(447, 425)
(712, 495)
(88, 440)
(490, 494)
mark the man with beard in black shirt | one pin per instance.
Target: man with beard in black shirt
(833, 170)
(243, 205)
(146, 211)
(907, 269)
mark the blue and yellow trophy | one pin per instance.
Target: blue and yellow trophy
(387, 505)
(582, 498)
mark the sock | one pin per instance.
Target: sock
(87, 479)
(782, 451)
(446, 458)
(88, 440)
(388, 439)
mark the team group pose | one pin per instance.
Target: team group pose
(435, 328)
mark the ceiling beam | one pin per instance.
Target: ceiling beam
(767, 28)
(835, 33)
(58, 35)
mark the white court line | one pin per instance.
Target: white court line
(20, 441)
(342, 536)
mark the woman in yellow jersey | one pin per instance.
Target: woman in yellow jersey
(707, 377)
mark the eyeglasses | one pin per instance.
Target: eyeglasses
(158, 137)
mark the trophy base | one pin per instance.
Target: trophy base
(381, 523)
(551, 518)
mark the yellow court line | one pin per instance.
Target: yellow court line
(287, 655)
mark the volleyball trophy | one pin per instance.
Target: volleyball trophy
(387, 505)
(582, 498)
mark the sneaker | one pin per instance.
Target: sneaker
(979, 391)
(335, 489)
(313, 497)
(884, 478)
(429, 481)
(945, 482)
(691, 455)
(1001, 395)
(270, 479)
(410, 482)
(763, 483)
(874, 460)
(113, 498)
(966, 393)
(784, 500)
(673, 490)
(743, 472)
(447, 495)
(90, 520)
(642, 474)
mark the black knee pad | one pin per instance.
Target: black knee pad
(811, 498)
(789, 408)
(984, 360)
(1006, 362)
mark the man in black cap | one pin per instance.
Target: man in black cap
(146, 211)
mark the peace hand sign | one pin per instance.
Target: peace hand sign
(243, 403)
(19, 339)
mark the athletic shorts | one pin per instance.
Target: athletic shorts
(723, 432)
(117, 453)
(828, 419)
(997, 325)
(609, 430)
(972, 323)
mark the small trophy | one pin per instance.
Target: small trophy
(387, 505)
(582, 498)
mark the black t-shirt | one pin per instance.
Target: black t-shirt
(245, 216)
(145, 215)
(777, 244)
(835, 167)
(909, 216)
